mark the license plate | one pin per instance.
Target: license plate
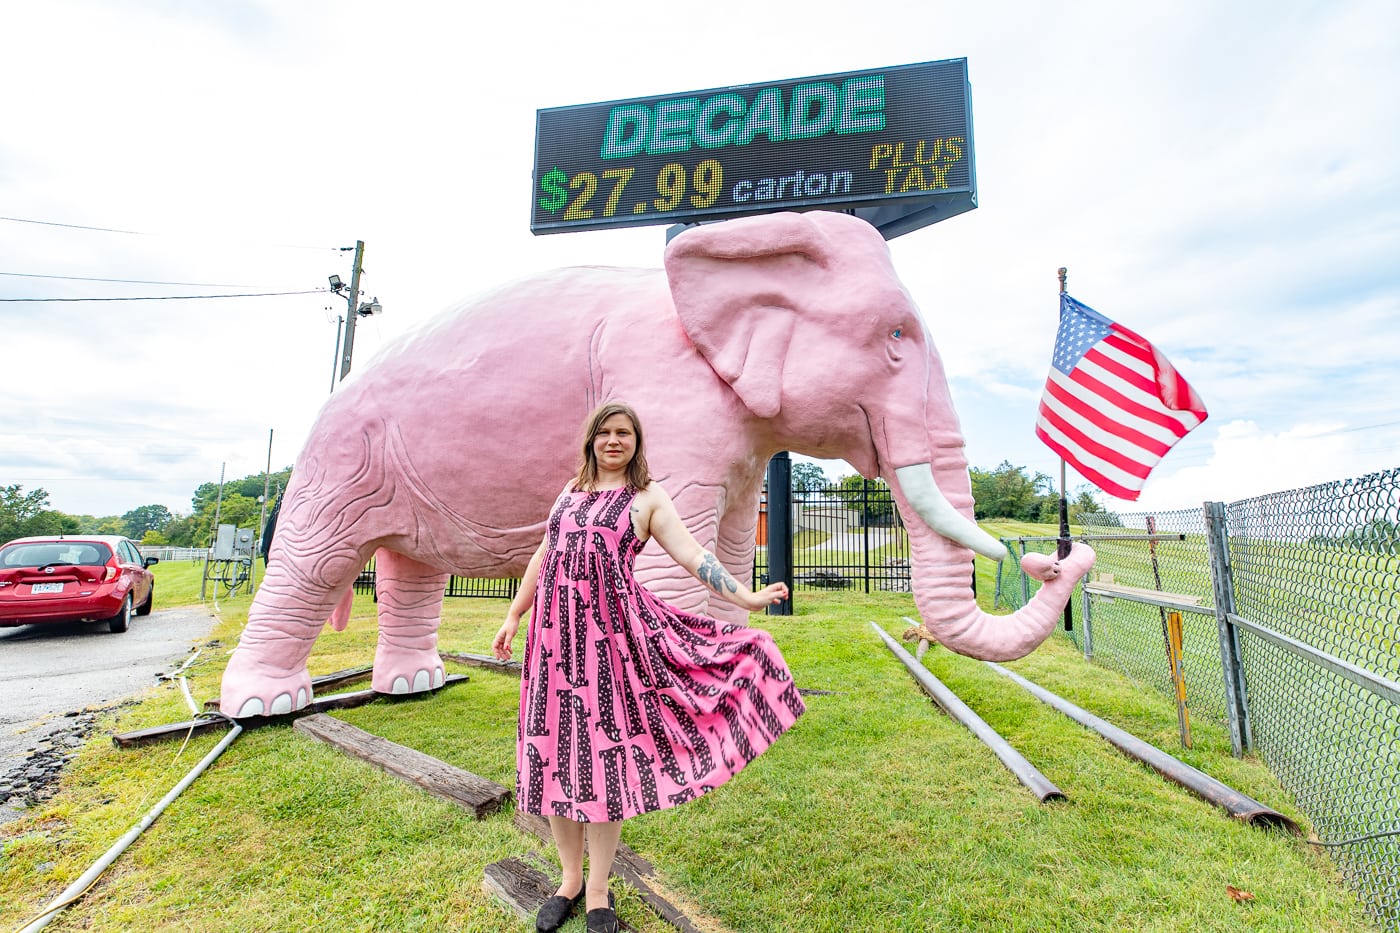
(46, 588)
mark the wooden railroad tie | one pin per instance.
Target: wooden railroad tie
(424, 771)
(317, 705)
(523, 888)
(627, 865)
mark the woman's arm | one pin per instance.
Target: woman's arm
(658, 516)
(524, 598)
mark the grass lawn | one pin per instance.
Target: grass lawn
(874, 813)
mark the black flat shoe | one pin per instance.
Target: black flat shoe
(603, 919)
(556, 911)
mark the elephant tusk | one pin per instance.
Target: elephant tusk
(938, 513)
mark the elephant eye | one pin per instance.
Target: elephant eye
(897, 333)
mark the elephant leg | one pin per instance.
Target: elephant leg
(410, 609)
(267, 676)
(701, 508)
(738, 535)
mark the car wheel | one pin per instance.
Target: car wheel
(120, 621)
(145, 608)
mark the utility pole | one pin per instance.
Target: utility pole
(352, 299)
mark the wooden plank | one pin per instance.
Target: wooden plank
(523, 888)
(317, 705)
(432, 775)
(339, 678)
(346, 700)
(482, 660)
(627, 865)
(170, 730)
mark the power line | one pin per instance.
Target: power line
(312, 291)
(87, 278)
(52, 223)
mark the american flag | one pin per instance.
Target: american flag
(1113, 405)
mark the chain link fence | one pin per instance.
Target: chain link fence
(1285, 613)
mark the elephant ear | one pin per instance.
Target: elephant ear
(738, 287)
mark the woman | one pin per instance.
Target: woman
(628, 704)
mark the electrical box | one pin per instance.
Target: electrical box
(223, 542)
(243, 543)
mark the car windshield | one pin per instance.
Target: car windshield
(41, 554)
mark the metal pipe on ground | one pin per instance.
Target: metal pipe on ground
(1245, 809)
(1015, 762)
(75, 890)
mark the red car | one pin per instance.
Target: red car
(79, 578)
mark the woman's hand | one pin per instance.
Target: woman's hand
(770, 594)
(501, 647)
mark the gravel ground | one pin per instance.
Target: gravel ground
(58, 680)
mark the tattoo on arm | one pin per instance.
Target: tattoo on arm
(716, 576)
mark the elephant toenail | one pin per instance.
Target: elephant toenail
(283, 704)
(400, 685)
(253, 707)
(421, 681)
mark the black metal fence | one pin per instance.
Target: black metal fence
(845, 536)
(1286, 611)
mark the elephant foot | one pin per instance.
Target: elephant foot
(400, 670)
(1046, 567)
(249, 689)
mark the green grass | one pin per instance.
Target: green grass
(177, 582)
(874, 813)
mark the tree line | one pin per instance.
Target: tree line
(24, 514)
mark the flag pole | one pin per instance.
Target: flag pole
(1062, 548)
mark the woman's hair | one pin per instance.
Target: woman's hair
(638, 476)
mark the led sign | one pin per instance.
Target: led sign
(896, 137)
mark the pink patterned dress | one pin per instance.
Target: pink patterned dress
(628, 704)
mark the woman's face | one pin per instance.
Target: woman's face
(615, 443)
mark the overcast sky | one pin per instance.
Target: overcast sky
(1222, 178)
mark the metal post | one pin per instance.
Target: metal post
(780, 528)
(335, 360)
(1223, 585)
(1088, 626)
(218, 509)
(1063, 547)
(1025, 580)
(865, 527)
(262, 518)
(1001, 564)
(353, 300)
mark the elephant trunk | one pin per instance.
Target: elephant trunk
(936, 501)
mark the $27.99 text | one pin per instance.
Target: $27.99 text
(672, 183)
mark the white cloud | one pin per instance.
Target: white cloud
(1218, 177)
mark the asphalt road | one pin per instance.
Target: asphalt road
(47, 671)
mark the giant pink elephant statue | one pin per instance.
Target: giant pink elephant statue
(778, 332)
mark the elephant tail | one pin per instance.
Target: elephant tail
(340, 616)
